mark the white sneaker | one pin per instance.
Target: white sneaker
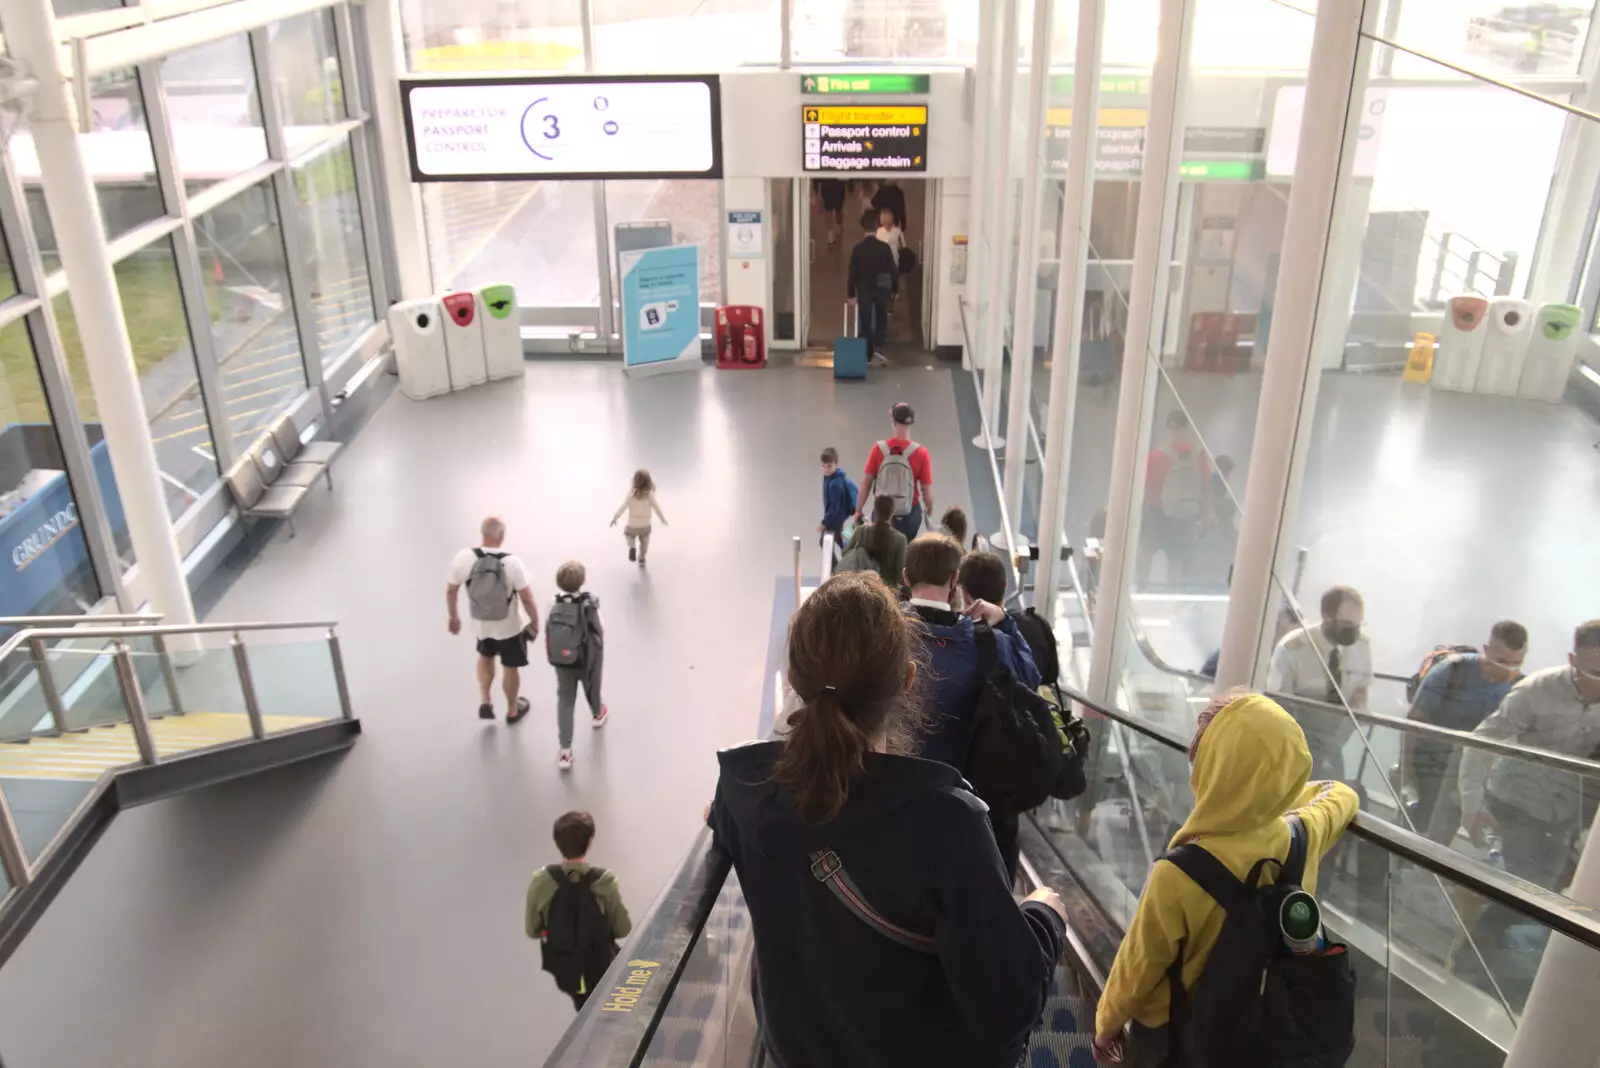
(879, 360)
(564, 760)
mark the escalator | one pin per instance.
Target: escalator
(1415, 914)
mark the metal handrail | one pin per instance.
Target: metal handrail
(1545, 907)
(1465, 739)
(14, 860)
(67, 621)
(994, 467)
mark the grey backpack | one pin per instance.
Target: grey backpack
(856, 559)
(566, 631)
(895, 477)
(489, 592)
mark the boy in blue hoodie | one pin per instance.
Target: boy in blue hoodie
(838, 500)
(953, 681)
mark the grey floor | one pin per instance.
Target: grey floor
(367, 909)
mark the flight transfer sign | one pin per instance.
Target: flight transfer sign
(870, 138)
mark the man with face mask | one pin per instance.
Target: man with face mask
(1330, 664)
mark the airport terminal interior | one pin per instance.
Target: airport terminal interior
(1203, 308)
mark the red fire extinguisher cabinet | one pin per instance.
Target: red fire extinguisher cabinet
(741, 341)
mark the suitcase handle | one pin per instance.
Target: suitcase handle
(852, 319)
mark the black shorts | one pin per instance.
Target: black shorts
(513, 652)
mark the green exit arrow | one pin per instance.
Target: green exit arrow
(871, 84)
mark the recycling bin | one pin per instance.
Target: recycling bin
(1551, 353)
(1505, 345)
(1455, 364)
(417, 327)
(502, 331)
(463, 341)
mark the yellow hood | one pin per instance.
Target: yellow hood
(1251, 767)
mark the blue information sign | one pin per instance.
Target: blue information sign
(661, 308)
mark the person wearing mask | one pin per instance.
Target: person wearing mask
(1250, 771)
(1330, 665)
(1459, 692)
(950, 643)
(885, 929)
(873, 278)
(884, 545)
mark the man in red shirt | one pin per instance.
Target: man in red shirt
(1177, 500)
(911, 499)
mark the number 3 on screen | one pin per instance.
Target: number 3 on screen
(540, 128)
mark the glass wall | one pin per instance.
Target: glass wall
(208, 302)
(906, 30)
(684, 35)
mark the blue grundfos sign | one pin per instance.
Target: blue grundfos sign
(46, 555)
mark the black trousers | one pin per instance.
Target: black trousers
(875, 317)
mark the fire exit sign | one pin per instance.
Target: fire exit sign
(898, 84)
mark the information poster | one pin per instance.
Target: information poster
(888, 137)
(662, 126)
(745, 235)
(661, 308)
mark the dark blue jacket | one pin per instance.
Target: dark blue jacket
(838, 499)
(951, 681)
(832, 991)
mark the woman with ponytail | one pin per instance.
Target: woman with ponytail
(884, 545)
(885, 929)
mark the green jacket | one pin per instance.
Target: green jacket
(892, 568)
(541, 888)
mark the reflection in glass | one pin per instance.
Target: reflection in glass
(823, 30)
(48, 571)
(153, 309)
(216, 115)
(119, 157)
(444, 37)
(305, 62)
(537, 236)
(329, 220)
(252, 314)
(690, 205)
(686, 35)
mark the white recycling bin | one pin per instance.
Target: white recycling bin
(1455, 364)
(463, 341)
(1551, 352)
(502, 331)
(1505, 345)
(417, 327)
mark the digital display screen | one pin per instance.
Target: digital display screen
(660, 126)
(870, 138)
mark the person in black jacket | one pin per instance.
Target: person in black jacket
(874, 277)
(891, 196)
(951, 970)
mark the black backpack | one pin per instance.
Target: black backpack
(577, 946)
(1257, 1005)
(1041, 639)
(1014, 748)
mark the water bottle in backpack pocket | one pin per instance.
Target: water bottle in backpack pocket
(1275, 992)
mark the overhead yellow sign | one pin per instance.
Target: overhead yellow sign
(896, 113)
(1118, 117)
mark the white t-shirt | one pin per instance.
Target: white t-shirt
(516, 576)
(1300, 665)
(894, 237)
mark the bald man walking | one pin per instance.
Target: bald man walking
(496, 581)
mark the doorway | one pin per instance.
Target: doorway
(835, 210)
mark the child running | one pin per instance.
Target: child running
(639, 503)
(575, 646)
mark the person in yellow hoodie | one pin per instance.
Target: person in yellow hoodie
(1251, 764)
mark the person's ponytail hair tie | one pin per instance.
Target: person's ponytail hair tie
(851, 630)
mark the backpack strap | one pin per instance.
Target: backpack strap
(1208, 873)
(828, 869)
(883, 450)
(988, 650)
(556, 873)
(1293, 872)
(590, 877)
(910, 452)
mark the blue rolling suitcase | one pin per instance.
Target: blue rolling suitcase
(850, 352)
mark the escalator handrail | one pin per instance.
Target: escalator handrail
(611, 1033)
(994, 467)
(1465, 739)
(144, 631)
(1546, 907)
